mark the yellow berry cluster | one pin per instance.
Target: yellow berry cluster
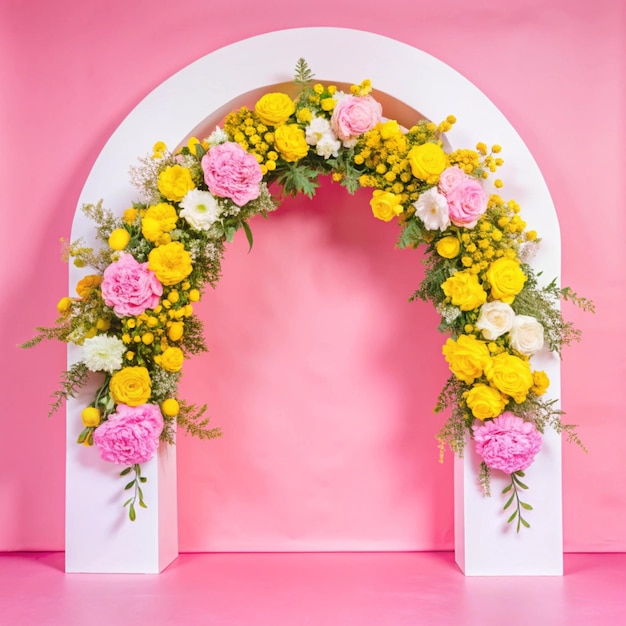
(149, 334)
(245, 127)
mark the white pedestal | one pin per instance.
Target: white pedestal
(485, 545)
(99, 537)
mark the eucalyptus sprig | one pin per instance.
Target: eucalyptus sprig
(137, 493)
(515, 486)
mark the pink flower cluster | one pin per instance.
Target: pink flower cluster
(355, 115)
(130, 435)
(231, 172)
(507, 443)
(467, 199)
(130, 287)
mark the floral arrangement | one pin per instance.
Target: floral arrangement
(133, 314)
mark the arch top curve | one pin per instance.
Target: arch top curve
(422, 82)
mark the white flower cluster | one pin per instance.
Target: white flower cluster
(320, 134)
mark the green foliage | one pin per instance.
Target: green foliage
(296, 178)
(71, 381)
(515, 486)
(135, 485)
(190, 418)
(303, 74)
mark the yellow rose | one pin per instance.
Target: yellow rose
(274, 108)
(119, 239)
(510, 375)
(390, 129)
(171, 263)
(386, 205)
(448, 247)
(290, 141)
(87, 284)
(130, 386)
(174, 182)
(427, 161)
(64, 305)
(158, 219)
(506, 279)
(170, 407)
(90, 416)
(541, 382)
(467, 357)
(175, 331)
(172, 359)
(464, 291)
(485, 401)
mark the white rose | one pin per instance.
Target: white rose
(526, 335)
(328, 146)
(432, 208)
(495, 319)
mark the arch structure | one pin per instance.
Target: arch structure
(197, 97)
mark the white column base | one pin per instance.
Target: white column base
(485, 545)
(99, 537)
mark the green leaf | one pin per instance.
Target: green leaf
(137, 469)
(83, 435)
(229, 233)
(518, 482)
(512, 517)
(508, 502)
(200, 151)
(525, 522)
(526, 506)
(248, 232)
(143, 504)
(143, 479)
(520, 473)
(126, 471)
(131, 513)
(130, 485)
(507, 489)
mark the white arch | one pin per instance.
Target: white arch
(208, 87)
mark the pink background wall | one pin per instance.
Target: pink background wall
(70, 72)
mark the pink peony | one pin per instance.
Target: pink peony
(355, 115)
(450, 178)
(130, 287)
(231, 172)
(467, 201)
(507, 443)
(130, 435)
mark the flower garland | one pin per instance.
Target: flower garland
(134, 317)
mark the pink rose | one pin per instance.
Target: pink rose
(130, 435)
(231, 172)
(450, 178)
(507, 443)
(355, 115)
(130, 287)
(467, 201)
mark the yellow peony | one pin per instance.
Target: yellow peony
(427, 161)
(171, 263)
(130, 386)
(172, 359)
(484, 401)
(119, 239)
(174, 182)
(506, 279)
(290, 141)
(510, 375)
(541, 382)
(386, 205)
(467, 357)
(64, 305)
(158, 219)
(464, 291)
(274, 108)
(448, 247)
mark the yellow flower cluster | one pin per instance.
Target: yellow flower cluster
(251, 133)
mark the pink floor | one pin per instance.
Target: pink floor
(381, 589)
